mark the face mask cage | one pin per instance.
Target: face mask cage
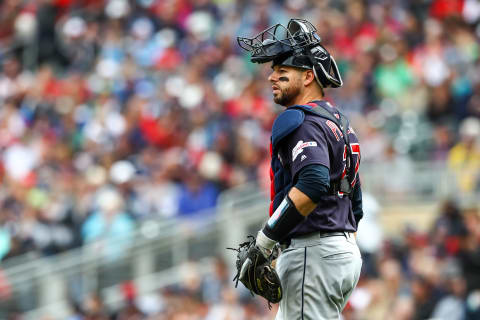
(280, 40)
(297, 45)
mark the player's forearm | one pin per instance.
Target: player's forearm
(292, 211)
(313, 182)
(302, 202)
(285, 218)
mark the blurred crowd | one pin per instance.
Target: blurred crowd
(151, 103)
(418, 274)
(117, 111)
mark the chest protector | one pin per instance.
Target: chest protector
(286, 123)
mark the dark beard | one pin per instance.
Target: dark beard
(286, 96)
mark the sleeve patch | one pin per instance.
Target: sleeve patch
(300, 146)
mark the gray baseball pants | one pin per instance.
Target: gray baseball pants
(318, 274)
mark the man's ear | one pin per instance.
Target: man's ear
(309, 77)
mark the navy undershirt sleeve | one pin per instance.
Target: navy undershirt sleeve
(357, 203)
(314, 181)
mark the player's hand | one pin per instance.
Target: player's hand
(265, 245)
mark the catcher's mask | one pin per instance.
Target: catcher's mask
(297, 45)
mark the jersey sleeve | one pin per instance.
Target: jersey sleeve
(304, 146)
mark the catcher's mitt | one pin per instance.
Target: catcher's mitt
(256, 272)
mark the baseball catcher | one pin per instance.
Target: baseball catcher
(316, 200)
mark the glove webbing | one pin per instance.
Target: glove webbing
(239, 249)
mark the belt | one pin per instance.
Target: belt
(317, 235)
(323, 234)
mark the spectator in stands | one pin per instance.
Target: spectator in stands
(448, 230)
(94, 308)
(110, 224)
(464, 157)
(452, 306)
(469, 254)
(13, 82)
(424, 298)
(196, 194)
(227, 308)
(214, 284)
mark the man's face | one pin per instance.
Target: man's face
(286, 84)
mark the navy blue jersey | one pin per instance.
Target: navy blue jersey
(319, 141)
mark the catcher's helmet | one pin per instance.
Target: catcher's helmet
(297, 45)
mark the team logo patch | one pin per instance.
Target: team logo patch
(300, 146)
